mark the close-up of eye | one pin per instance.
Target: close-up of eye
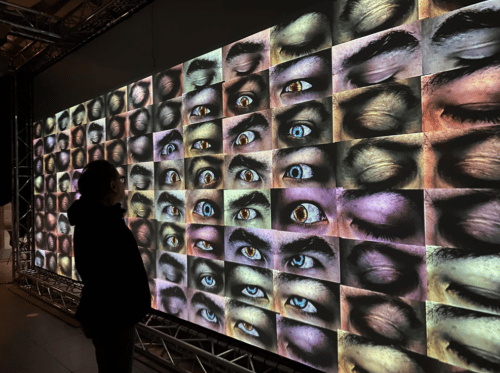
(141, 205)
(354, 19)
(172, 267)
(170, 207)
(203, 105)
(251, 133)
(247, 208)
(95, 133)
(307, 213)
(50, 144)
(246, 95)
(252, 285)
(171, 237)
(300, 80)
(394, 162)
(309, 300)
(249, 246)
(143, 231)
(206, 275)
(205, 209)
(168, 115)
(116, 152)
(204, 172)
(309, 33)
(95, 152)
(299, 171)
(141, 148)
(63, 160)
(139, 94)
(63, 121)
(116, 102)
(141, 177)
(172, 299)
(207, 310)
(385, 268)
(203, 138)
(203, 71)
(252, 171)
(169, 175)
(364, 112)
(140, 121)
(78, 116)
(206, 241)
(167, 84)
(95, 109)
(385, 319)
(168, 145)
(365, 62)
(116, 127)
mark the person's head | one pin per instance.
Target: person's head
(100, 181)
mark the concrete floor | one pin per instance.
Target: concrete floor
(35, 341)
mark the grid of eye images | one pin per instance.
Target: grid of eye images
(326, 189)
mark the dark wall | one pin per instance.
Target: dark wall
(163, 34)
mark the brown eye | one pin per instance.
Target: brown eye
(200, 111)
(204, 144)
(300, 213)
(208, 178)
(246, 214)
(250, 251)
(245, 138)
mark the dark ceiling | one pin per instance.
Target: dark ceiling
(35, 34)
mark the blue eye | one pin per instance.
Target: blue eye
(299, 171)
(168, 149)
(200, 111)
(254, 292)
(247, 328)
(249, 176)
(208, 315)
(299, 130)
(203, 245)
(208, 281)
(303, 304)
(245, 138)
(204, 209)
(302, 261)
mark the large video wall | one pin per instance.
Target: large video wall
(326, 189)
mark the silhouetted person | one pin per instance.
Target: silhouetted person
(116, 293)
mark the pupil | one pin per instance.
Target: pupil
(203, 110)
(248, 176)
(250, 251)
(300, 213)
(204, 144)
(175, 211)
(208, 178)
(295, 87)
(244, 101)
(243, 140)
(297, 132)
(175, 241)
(206, 210)
(245, 213)
(247, 326)
(295, 172)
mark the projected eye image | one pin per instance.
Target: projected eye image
(326, 189)
(167, 84)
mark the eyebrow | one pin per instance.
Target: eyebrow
(394, 40)
(201, 64)
(174, 135)
(241, 234)
(243, 161)
(166, 258)
(254, 78)
(318, 107)
(464, 22)
(216, 88)
(254, 198)
(243, 48)
(64, 177)
(467, 200)
(209, 159)
(95, 127)
(264, 272)
(444, 254)
(173, 291)
(310, 244)
(193, 127)
(176, 228)
(254, 120)
(279, 69)
(213, 266)
(384, 144)
(140, 170)
(449, 76)
(285, 24)
(402, 90)
(415, 197)
(166, 197)
(202, 299)
(442, 311)
(140, 198)
(467, 139)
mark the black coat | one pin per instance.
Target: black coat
(116, 290)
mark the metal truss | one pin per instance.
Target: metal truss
(22, 175)
(61, 292)
(50, 38)
(184, 349)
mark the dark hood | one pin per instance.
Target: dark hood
(83, 210)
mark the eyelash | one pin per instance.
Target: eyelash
(472, 359)
(408, 171)
(468, 116)
(298, 51)
(476, 299)
(389, 233)
(358, 79)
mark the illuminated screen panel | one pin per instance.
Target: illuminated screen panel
(326, 189)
